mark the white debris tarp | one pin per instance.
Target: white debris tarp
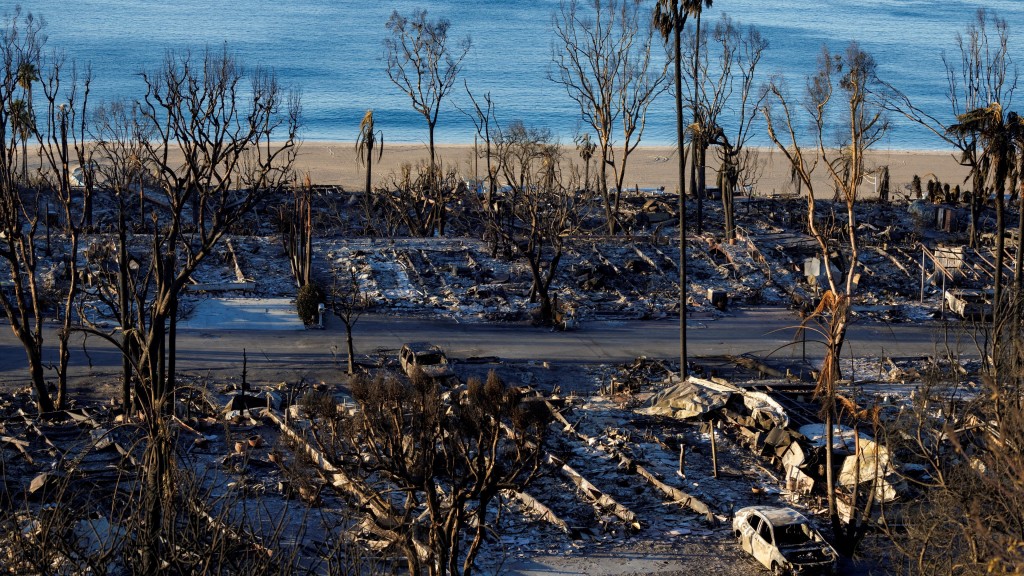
(690, 399)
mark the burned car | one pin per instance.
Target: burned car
(783, 540)
(427, 358)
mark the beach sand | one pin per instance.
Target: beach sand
(335, 163)
(648, 167)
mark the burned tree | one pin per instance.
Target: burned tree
(416, 200)
(883, 186)
(602, 58)
(21, 207)
(670, 18)
(982, 75)
(295, 223)
(701, 128)
(842, 88)
(450, 456)
(489, 130)
(215, 153)
(348, 302)
(725, 62)
(998, 135)
(985, 75)
(424, 67)
(586, 147)
(545, 207)
(967, 447)
(123, 165)
(368, 139)
(65, 138)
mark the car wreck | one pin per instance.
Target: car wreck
(783, 541)
(427, 358)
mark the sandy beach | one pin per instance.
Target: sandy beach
(648, 167)
(335, 163)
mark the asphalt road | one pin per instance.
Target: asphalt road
(317, 354)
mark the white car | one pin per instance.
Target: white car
(783, 540)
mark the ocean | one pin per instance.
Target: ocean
(332, 52)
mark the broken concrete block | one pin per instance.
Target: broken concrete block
(814, 272)
(718, 298)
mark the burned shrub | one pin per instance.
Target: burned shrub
(307, 302)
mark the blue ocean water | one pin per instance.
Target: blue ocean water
(332, 51)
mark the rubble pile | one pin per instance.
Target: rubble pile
(772, 262)
(637, 375)
(796, 446)
(614, 476)
(77, 461)
(458, 277)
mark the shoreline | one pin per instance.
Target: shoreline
(335, 163)
(335, 141)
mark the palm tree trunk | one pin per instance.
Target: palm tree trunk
(677, 29)
(367, 200)
(24, 158)
(699, 179)
(701, 151)
(435, 189)
(1000, 234)
(729, 188)
(977, 201)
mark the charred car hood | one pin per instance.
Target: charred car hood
(437, 370)
(808, 555)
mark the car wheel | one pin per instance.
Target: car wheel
(778, 570)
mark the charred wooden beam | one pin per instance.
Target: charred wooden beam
(540, 509)
(676, 495)
(594, 494)
(381, 511)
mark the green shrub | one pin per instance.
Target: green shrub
(306, 302)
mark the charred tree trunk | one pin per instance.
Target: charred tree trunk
(1018, 267)
(368, 198)
(33, 349)
(124, 314)
(157, 499)
(606, 194)
(1000, 189)
(351, 348)
(976, 203)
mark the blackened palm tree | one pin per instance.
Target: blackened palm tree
(999, 135)
(669, 18)
(368, 139)
(23, 124)
(27, 73)
(586, 148)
